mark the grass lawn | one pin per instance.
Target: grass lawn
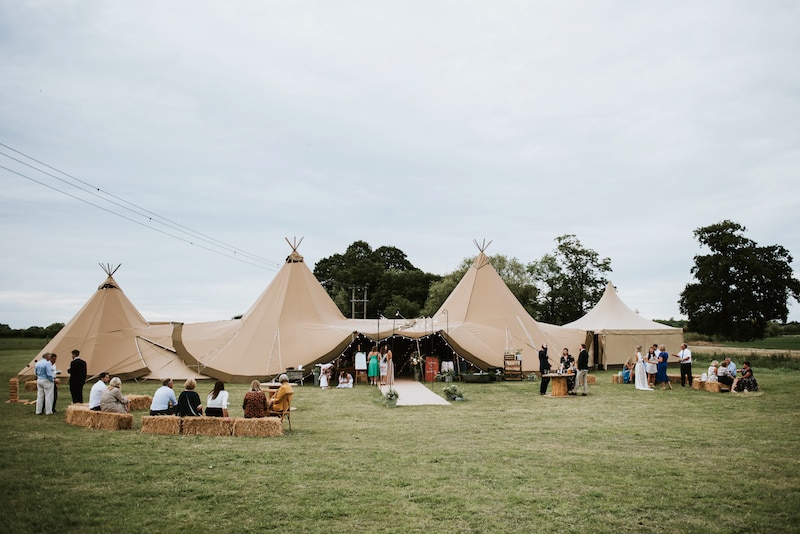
(505, 460)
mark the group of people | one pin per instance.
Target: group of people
(577, 371)
(380, 367)
(647, 372)
(725, 373)
(106, 396)
(47, 383)
(255, 403)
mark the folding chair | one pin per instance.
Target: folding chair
(286, 414)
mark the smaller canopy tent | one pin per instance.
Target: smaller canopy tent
(113, 336)
(482, 320)
(619, 330)
(293, 322)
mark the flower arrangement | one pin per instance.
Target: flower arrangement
(418, 363)
(391, 394)
(453, 392)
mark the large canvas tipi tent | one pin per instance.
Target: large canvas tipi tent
(618, 330)
(485, 320)
(113, 336)
(292, 323)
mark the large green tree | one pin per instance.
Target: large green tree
(392, 282)
(570, 281)
(739, 287)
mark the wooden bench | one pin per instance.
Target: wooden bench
(81, 415)
(212, 426)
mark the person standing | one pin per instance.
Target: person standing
(164, 401)
(45, 383)
(651, 365)
(544, 369)
(567, 367)
(583, 371)
(77, 377)
(640, 375)
(96, 393)
(53, 358)
(373, 368)
(661, 374)
(685, 356)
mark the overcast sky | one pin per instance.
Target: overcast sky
(422, 125)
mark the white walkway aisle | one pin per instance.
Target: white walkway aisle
(413, 393)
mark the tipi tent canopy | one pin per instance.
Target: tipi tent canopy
(486, 320)
(619, 330)
(113, 336)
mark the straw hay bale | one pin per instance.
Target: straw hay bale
(140, 402)
(31, 385)
(713, 387)
(616, 379)
(261, 427)
(207, 426)
(697, 384)
(591, 380)
(169, 425)
(81, 415)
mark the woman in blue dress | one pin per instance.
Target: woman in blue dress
(661, 368)
(373, 368)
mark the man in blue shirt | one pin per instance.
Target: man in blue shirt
(164, 400)
(45, 382)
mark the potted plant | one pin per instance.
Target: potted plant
(390, 397)
(446, 376)
(453, 393)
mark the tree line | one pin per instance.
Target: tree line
(39, 332)
(740, 290)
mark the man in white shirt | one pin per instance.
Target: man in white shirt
(164, 400)
(685, 356)
(97, 390)
(45, 382)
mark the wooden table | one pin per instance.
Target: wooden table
(559, 384)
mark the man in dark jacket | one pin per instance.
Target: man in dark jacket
(544, 368)
(77, 376)
(583, 371)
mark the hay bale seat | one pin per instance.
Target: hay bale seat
(212, 426)
(81, 415)
(713, 387)
(168, 425)
(676, 379)
(591, 380)
(140, 402)
(31, 385)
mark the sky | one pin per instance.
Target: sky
(422, 125)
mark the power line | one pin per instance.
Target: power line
(151, 217)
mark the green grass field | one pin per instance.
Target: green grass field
(505, 460)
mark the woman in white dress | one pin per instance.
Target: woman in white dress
(639, 371)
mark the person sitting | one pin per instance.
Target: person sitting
(746, 382)
(255, 403)
(112, 399)
(712, 371)
(217, 401)
(627, 369)
(164, 400)
(282, 397)
(345, 380)
(96, 393)
(726, 372)
(189, 404)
